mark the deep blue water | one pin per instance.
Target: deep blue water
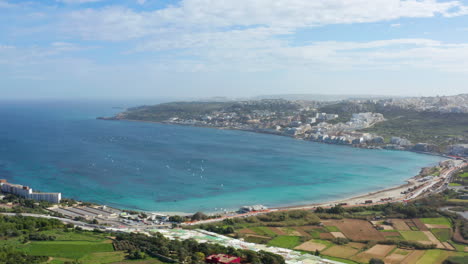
(61, 147)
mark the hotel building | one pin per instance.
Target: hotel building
(26, 192)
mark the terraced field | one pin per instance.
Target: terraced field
(322, 238)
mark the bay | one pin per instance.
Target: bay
(59, 146)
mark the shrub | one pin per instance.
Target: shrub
(376, 261)
(340, 241)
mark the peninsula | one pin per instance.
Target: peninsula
(423, 124)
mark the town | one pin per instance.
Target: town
(386, 123)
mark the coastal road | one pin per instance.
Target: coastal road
(445, 179)
(64, 220)
(87, 226)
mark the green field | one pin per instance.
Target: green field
(458, 247)
(323, 242)
(414, 235)
(256, 240)
(315, 233)
(285, 241)
(347, 261)
(433, 256)
(263, 231)
(369, 213)
(103, 257)
(463, 175)
(443, 234)
(454, 184)
(146, 261)
(436, 221)
(333, 229)
(74, 236)
(65, 249)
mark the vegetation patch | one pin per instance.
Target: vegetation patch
(414, 235)
(442, 234)
(65, 249)
(257, 240)
(347, 261)
(457, 260)
(458, 247)
(457, 201)
(332, 229)
(103, 257)
(397, 256)
(290, 231)
(341, 251)
(285, 241)
(146, 261)
(314, 234)
(437, 221)
(76, 236)
(429, 127)
(401, 251)
(433, 256)
(263, 231)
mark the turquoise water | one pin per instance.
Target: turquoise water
(61, 147)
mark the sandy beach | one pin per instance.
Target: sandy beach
(413, 189)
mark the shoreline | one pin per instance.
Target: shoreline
(387, 193)
(422, 191)
(391, 194)
(276, 134)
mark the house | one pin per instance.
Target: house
(222, 259)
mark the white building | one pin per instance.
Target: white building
(26, 192)
(252, 208)
(459, 150)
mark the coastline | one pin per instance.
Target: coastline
(422, 191)
(259, 131)
(390, 194)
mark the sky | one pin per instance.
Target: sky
(233, 48)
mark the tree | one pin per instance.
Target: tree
(376, 261)
(338, 209)
(136, 254)
(319, 210)
(176, 219)
(340, 241)
(199, 257)
(199, 216)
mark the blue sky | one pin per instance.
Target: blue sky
(237, 48)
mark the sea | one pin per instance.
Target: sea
(60, 146)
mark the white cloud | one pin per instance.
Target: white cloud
(79, 1)
(243, 36)
(119, 23)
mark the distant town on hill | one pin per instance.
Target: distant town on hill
(426, 124)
